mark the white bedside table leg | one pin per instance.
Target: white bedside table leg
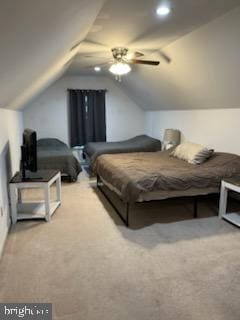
(19, 195)
(47, 202)
(13, 196)
(58, 186)
(223, 200)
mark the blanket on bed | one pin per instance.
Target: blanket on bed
(54, 154)
(140, 143)
(136, 173)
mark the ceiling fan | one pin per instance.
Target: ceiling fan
(122, 59)
(122, 54)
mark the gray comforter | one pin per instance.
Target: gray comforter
(142, 143)
(54, 154)
(139, 173)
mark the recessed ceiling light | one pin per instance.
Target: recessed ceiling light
(97, 69)
(163, 11)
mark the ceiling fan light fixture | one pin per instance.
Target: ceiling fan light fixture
(120, 68)
(163, 11)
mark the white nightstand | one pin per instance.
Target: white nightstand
(39, 209)
(79, 151)
(226, 185)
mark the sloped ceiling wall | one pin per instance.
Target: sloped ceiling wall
(36, 38)
(204, 72)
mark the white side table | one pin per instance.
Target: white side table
(35, 210)
(226, 185)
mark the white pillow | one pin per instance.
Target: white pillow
(192, 152)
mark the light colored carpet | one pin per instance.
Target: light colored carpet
(168, 266)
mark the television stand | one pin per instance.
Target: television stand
(39, 209)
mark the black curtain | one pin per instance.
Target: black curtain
(87, 119)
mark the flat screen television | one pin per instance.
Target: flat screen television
(29, 152)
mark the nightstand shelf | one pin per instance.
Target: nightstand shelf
(233, 218)
(35, 210)
(226, 185)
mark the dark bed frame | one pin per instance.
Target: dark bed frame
(125, 219)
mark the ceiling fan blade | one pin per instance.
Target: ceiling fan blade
(159, 52)
(147, 62)
(133, 55)
(165, 56)
(138, 54)
(94, 57)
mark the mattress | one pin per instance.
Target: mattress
(143, 143)
(157, 175)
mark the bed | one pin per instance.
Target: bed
(54, 154)
(142, 143)
(140, 177)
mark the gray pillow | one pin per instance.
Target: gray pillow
(192, 152)
(203, 155)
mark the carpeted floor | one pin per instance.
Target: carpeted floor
(167, 266)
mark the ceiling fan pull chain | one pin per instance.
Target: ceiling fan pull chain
(118, 78)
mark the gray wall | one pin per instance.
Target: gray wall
(204, 74)
(48, 113)
(11, 127)
(216, 128)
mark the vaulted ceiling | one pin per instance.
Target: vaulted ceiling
(36, 40)
(201, 38)
(204, 72)
(135, 25)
